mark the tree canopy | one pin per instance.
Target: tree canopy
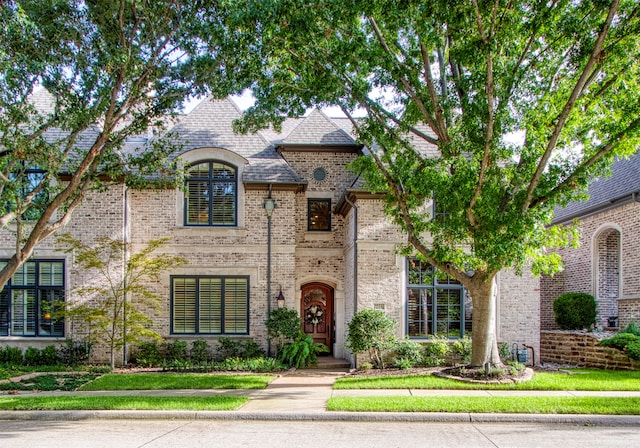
(498, 110)
(77, 79)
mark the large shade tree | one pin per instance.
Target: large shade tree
(77, 78)
(524, 103)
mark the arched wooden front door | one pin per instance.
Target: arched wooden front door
(316, 308)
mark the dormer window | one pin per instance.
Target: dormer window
(211, 191)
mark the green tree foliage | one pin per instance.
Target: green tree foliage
(77, 78)
(575, 311)
(283, 325)
(499, 110)
(115, 302)
(371, 331)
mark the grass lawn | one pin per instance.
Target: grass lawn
(580, 379)
(160, 381)
(217, 403)
(516, 405)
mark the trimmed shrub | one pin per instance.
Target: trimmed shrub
(408, 354)
(176, 352)
(632, 328)
(462, 348)
(633, 350)
(11, 356)
(32, 357)
(49, 356)
(200, 351)
(74, 352)
(371, 331)
(238, 348)
(575, 311)
(436, 351)
(148, 354)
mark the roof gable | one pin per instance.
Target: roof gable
(318, 130)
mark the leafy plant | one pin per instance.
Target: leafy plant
(436, 350)
(462, 348)
(74, 352)
(283, 325)
(408, 354)
(176, 352)
(148, 354)
(115, 306)
(575, 310)
(11, 356)
(633, 350)
(632, 328)
(238, 348)
(200, 351)
(620, 340)
(505, 351)
(371, 331)
(302, 352)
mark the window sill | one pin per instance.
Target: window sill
(320, 235)
(208, 230)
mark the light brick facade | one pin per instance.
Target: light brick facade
(605, 265)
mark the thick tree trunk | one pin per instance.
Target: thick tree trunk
(484, 339)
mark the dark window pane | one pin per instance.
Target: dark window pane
(210, 305)
(211, 195)
(319, 214)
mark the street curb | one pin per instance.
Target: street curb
(414, 417)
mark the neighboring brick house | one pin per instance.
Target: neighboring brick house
(327, 246)
(607, 263)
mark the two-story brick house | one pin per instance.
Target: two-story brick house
(259, 215)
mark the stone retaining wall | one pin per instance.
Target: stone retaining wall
(581, 349)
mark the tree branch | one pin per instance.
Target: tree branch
(564, 115)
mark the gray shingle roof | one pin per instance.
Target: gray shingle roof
(606, 191)
(318, 129)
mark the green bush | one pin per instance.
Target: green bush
(633, 350)
(575, 311)
(436, 351)
(632, 328)
(504, 351)
(32, 357)
(11, 356)
(238, 348)
(49, 356)
(371, 331)
(462, 348)
(176, 352)
(620, 340)
(148, 354)
(200, 352)
(73, 352)
(407, 354)
(282, 326)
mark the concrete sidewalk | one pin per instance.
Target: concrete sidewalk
(303, 395)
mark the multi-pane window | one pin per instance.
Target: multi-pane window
(319, 214)
(209, 305)
(436, 303)
(25, 182)
(211, 194)
(31, 300)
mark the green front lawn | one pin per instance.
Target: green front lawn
(160, 381)
(138, 403)
(580, 379)
(515, 405)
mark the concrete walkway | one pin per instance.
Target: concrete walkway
(303, 395)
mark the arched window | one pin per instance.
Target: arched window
(211, 194)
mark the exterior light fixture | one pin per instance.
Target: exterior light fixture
(280, 299)
(269, 206)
